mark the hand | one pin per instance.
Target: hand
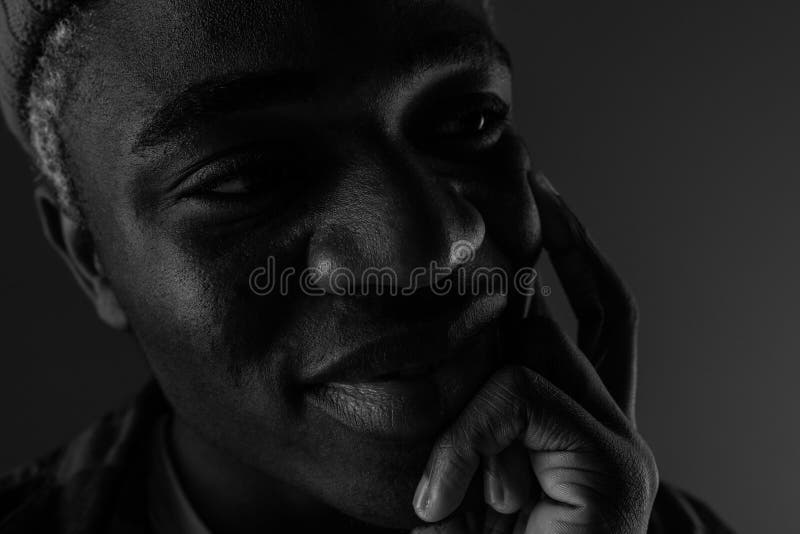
(555, 428)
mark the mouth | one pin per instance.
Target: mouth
(406, 356)
(410, 373)
(408, 385)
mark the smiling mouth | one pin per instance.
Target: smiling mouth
(412, 403)
(410, 352)
(405, 387)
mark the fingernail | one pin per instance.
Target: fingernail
(494, 490)
(422, 496)
(544, 183)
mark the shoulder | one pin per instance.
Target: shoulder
(74, 484)
(677, 511)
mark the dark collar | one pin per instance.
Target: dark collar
(93, 484)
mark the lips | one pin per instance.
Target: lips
(408, 384)
(407, 352)
(399, 356)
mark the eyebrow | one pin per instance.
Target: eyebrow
(475, 47)
(238, 92)
(218, 96)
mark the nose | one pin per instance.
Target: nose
(389, 220)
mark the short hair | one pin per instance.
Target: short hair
(51, 82)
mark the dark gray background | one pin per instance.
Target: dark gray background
(673, 132)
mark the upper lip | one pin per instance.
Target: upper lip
(383, 359)
(404, 353)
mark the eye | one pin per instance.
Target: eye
(472, 123)
(241, 178)
(246, 184)
(235, 186)
(469, 124)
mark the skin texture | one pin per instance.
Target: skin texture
(371, 158)
(554, 429)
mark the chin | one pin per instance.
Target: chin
(373, 440)
(379, 491)
(371, 480)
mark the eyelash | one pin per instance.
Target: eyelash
(489, 116)
(252, 169)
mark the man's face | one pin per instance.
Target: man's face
(215, 138)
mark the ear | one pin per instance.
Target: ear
(73, 242)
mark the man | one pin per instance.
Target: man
(184, 146)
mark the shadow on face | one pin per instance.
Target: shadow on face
(213, 141)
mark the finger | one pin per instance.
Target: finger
(499, 414)
(604, 307)
(542, 345)
(507, 479)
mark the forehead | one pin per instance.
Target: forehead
(141, 54)
(168, 42)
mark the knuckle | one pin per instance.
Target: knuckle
(502, 409)
(512, 375)
(635, 481)
(508, 392)
(641, 474)
(650, 469)
(513, 383)
(455, 448)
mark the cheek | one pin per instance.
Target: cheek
(173, 300)
(207, 337)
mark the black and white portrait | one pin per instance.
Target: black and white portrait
(384, 266)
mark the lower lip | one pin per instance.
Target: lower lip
(414, 407)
